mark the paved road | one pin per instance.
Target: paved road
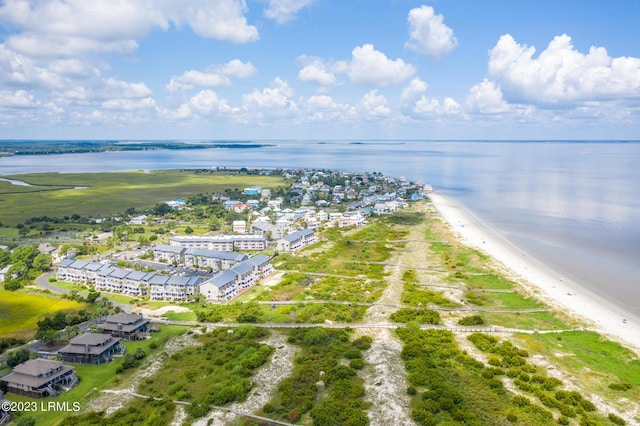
(43, 282)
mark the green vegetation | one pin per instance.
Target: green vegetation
(216, 372)
(414, 295)
(138, 412)
(251, 312)
(472, 320)
(94, 378)
(105, 194)
(26, 264)
(527, 378)
(453, 388)
(321, 386)
(20, 311)
(405, 218)
(421, 316)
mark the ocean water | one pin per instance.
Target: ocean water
(573, 205)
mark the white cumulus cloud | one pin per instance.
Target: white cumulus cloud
(74, 27)
(207, 102)
(486, 97)
(373, 106)
(370, 67)
(274, 101)
(315, 70)
(560, 74)
(428, 34)
(283, 11)
(214, 76)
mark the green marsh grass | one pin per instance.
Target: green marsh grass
(21, 310)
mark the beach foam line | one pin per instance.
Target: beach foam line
(552, 288)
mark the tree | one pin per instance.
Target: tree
(24, 254)
(16, 276)
(188, 230)
(41, 262)
(17, 357)
(92, 296)
(4, 258)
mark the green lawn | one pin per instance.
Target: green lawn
(110, 193)
(20, 311)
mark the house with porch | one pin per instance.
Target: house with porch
(91, 348)
(39, 378)
(125, 326)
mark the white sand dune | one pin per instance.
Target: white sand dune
(545, 283)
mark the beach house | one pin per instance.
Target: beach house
(125, 326)
(91, 348)
(39, 378)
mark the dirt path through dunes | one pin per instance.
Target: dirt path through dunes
(111, 400)
(410, 256)
(385, 382)
(264, 383)
(384, 374)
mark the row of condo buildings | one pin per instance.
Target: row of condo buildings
(229, 243)
(106, 277)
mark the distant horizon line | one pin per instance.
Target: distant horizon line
(310, 140)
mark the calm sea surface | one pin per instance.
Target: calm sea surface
(572, 205)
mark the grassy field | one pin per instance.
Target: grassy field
(596, 363)
(110, 193)
(20, 311)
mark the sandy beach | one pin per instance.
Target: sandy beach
(547, 284)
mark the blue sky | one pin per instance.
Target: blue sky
(319, 69)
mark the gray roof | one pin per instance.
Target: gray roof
(263, 226)
(168, 249)
(214, 254)
(106, 271)
(159, 279)
(128, 322)
(79, 264)
(123, 318)
(90, 343)
(66, 263)
(36, 372)
(223, 278)
(243, 267)
(93, 266)
(136, 275)
(119, 273)
(259, 259)
(298, 234)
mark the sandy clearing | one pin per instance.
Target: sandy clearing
(157, 313)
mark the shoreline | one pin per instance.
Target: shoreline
(545, 283)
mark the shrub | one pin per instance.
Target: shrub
(620, 386)
(357, 364)
(616, 420)
(472, 320)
